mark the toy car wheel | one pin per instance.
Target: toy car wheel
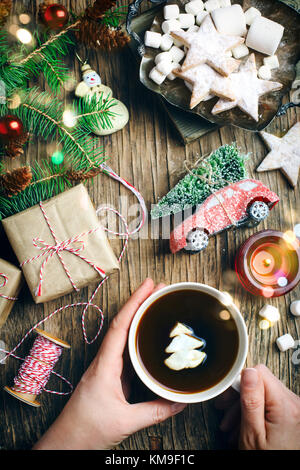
(197, 240)
(259, 211)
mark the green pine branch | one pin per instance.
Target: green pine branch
(17, 68)
(42, 115)
(113, 18)
(48, 180)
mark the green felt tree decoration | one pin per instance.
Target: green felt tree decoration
(224, 166)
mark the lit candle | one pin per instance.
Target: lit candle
(268, 263)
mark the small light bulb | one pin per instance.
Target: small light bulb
(69, 118)
(24, 35)
(57, 158)
(264, 324)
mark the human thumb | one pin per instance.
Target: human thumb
(252, 407)
(153, 412)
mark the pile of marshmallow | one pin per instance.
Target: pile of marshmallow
(271, 315)
(263, 35)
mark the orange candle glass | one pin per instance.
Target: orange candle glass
(268, 263)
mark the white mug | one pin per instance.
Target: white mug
(231, 377)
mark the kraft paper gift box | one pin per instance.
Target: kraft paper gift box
(10, 286)
(59, 243)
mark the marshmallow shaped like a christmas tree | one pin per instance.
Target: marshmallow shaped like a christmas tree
(184, 349)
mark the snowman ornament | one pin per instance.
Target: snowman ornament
(90, 86)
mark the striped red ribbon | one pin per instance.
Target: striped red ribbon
(57, 249)
(5, 281)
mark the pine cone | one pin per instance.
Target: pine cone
(5, 7)
(98, 9)
(100, 36)
(15, 148)
(81, 175)
(15, 181)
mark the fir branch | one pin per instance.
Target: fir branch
(43, 113)
(47, 181)
(114, 18)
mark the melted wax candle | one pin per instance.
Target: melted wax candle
(268, 263)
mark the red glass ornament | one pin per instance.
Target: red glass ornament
(55, 16)
(11, 127)
(268, 264)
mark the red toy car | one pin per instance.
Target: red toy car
(247, 202)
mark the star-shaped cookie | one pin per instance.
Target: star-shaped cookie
(247, 88)
(208, 46)
(203, 78)
(284, 155)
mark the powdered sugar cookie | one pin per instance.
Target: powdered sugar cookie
(202, 78)
(247, 87)
(208, 46)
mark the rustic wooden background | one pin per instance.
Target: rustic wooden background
(148, 153)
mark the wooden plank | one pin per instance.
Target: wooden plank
(147, 152)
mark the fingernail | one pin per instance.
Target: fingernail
(250, 377)
(177, 407)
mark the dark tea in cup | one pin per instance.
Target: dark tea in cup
(182, 322)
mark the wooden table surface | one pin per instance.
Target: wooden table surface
(148, 153)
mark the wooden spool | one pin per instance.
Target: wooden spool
(28, 398)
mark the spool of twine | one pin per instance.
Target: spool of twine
(37, 368)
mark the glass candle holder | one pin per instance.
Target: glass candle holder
(268, 263)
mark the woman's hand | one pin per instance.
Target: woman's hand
(266, 416)
(98, 416)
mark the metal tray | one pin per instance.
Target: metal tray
(178, 95)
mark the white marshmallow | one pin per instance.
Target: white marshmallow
(180, 328)
(224, 3)
(285, 342)
(176, 54)
(163, 56)
(186, 20)
(170, 25)
(270, 313)
(164, 67)
(230, 20)
(264, 35)
(152, 39)
(240, 51)
(171, 76)
(193, 29)
(271, 61)
(188, 85)
(182, 342)
(156, 76)
(295, 308)
(171, 11)
(185, 359)
(200, 17)
(251, 14)
(264, 72)
(228, 53)
(211, 5)
(194, 7)
(166, 42)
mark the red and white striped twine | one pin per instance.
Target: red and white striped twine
(5, 281)
(51, 250)
(37, 368)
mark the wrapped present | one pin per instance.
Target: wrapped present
(10, 286)
(60, 245)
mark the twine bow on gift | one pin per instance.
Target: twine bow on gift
(67, 245)
(3, 284)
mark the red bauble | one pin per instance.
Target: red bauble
(11, 127)
(55, 16)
